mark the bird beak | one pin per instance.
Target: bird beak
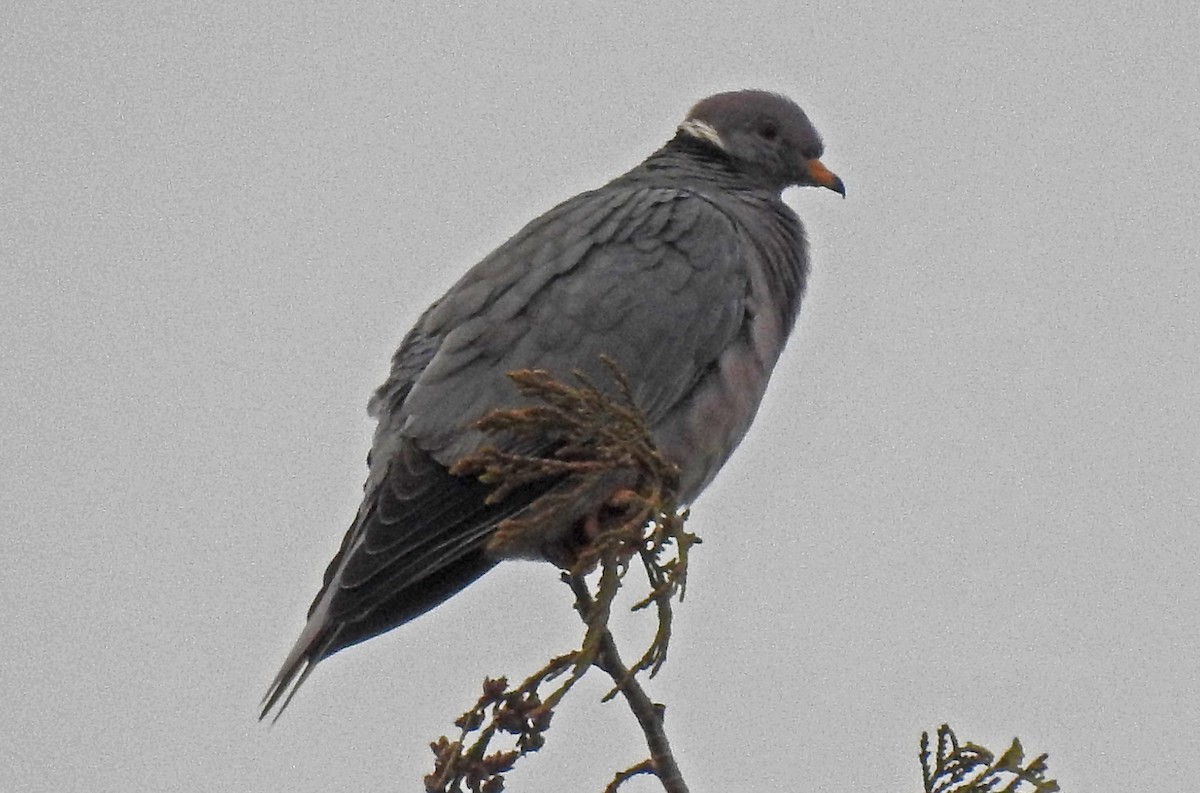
(825, 177)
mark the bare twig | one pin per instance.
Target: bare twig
(621, 777)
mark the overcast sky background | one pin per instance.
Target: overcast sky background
(970, 496)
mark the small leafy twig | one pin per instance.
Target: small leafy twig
(970, 768)
(595, 448)
(514, 711)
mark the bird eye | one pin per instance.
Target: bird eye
(768, 131)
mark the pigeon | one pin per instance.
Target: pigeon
(686, 272)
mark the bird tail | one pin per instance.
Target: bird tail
(312, 646)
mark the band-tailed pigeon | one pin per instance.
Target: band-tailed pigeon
(687, 272)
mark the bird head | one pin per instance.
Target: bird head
(767, 136)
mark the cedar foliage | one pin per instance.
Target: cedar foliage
(597, 434)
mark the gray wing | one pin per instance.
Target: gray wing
(653, 278)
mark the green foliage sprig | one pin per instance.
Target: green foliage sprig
(970, 768)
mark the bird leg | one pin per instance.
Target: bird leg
(615, 525)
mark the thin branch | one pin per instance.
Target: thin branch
(648, 713)
(621, 777)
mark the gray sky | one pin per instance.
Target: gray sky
(970, 496)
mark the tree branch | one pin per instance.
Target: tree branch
(648, 713)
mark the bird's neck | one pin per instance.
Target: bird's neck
(686, 160)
